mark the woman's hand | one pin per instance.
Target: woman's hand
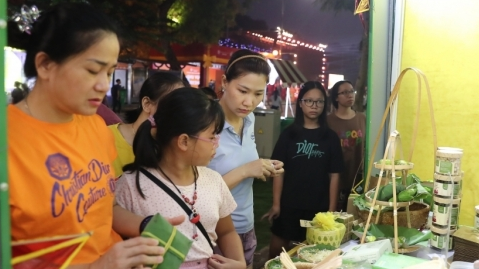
(219, 262)
(278, 167)
(263, 168)
(260, 169)
(136, 252)
(273, 213)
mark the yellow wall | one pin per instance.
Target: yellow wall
(441, 38)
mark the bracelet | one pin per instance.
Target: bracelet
(144, 222)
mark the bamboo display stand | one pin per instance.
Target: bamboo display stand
(393, 142)
(391, 147)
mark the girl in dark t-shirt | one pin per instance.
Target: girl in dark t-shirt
(312, 157)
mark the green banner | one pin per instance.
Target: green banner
(4, 207)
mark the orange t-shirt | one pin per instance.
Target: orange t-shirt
(61, 180)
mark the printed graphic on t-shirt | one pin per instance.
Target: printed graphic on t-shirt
(351, 138)
(81, 188)
(308, 149)
(58, 166)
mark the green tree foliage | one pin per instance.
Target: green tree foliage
(160, 23)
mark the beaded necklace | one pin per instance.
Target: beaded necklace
(195, 216)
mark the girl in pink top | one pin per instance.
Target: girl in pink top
(185, 141)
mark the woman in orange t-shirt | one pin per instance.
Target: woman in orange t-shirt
(60, 153)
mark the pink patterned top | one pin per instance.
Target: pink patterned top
(213, 203)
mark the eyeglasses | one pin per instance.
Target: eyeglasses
(215, 141)
(311, 103)
(346, 93)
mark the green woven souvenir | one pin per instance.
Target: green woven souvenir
(175, 243)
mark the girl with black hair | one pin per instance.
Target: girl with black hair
(312, 157)
(177, 155)
(60, 152)
(351, 129)
(153, 89)
(276, 102)
(210, 92)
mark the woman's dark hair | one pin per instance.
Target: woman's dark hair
(17, 95)
(299, 118)
(335, 90)
(65, 30)
(183, 111)
(209, 92)
(252, 62)
(155, 87)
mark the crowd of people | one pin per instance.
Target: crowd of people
(69, 172)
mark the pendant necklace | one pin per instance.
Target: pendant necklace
(195, 216)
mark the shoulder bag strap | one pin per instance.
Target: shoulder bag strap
(178, 200)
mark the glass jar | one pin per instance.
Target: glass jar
(438, 239)
(440, 217)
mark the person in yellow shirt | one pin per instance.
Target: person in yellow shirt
(152, 90)
(60, 152)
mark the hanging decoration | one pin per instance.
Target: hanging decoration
(361, 6)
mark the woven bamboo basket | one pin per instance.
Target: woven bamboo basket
(299, 265)
(466, 244)
(332, 238)
(418, 212)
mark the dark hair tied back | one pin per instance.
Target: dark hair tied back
(155, 87)
(62, 31)
(255, 63)
(183, 111)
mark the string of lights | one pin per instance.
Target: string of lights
(227, 42)
(284, 40)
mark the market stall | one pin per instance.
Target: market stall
(438, 38)
(448, 27)
(291, 77)
(404, 239)
(423, 34)
(206, 63)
